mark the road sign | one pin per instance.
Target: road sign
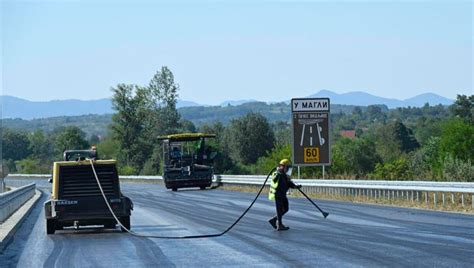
(310, 124)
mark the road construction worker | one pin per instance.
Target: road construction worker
(94, 154)
(280, 184)
(175, 153)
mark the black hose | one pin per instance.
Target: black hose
(187, 236)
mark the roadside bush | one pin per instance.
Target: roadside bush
(149, 168)
(458, 139)
(266, 163)
(108, 148)
(32, 166)
(127, 170)
(248, 138)
(425, 163)
(353, 157)
(455, 169)
(394, 170)
(11, 165)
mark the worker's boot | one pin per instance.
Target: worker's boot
(273, 222)
(282, 227)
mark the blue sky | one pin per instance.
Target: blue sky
(264, 50)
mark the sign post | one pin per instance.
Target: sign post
(310, 131)
(3, 174)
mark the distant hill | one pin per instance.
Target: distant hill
(90, 124)
(359, 98)
(183, 103)
(430, 98)
(13, 107)
(98, 124)
(236, 102)
(273, 112)
(19, 108)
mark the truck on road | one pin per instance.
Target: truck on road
(188, 161)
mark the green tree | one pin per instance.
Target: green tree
(40, 145)
(457, 139)
(463, 107)
(353, 157)
(266, 163)
(346, 123)
(11, 166)
(70, 138)
(153, 164)
(427, 127)
(282, 132)
(164, 93)
(187, 126)
(248, 138)
(375, 113)
(357, 111)
(425, 163)
(129, 123)
(142, 115)
(393, 139)
(108, 148)
(15, 144)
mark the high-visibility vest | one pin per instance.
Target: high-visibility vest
(273, 186)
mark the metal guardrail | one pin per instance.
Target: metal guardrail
(10, 201)
(427, 191)
(146, 178)
(435, 192)
(467, 187)
(39, 176)
(47, 176)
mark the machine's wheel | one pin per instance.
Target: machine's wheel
(109, 225)
(126, 223)
(174, 189)
(59, 226)
(202, 187)
(50, 226)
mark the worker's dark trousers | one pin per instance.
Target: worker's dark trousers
(281, 208)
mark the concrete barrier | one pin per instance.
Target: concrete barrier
(12, 200)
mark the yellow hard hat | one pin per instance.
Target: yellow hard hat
(285, 162)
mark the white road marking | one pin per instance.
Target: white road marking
(321, 139)
(302, 135)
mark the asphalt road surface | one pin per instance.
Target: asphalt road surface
(353, 235)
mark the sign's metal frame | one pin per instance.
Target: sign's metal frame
(293, 132)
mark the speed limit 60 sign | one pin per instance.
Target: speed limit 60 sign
(311, 155)
(310, 125)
